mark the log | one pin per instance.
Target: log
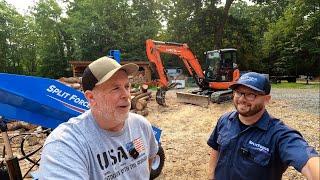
(12, 126)
(140, 105)
(75, 85)
(136, 98)
(144, 112)
(134, 90)
(144, 88)
(70, 80)
(147, 98)
(136, 93)
(142, 95)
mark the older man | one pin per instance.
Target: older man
(105, 142)
(250, 144)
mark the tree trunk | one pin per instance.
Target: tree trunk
(144, 112)
(219, 33)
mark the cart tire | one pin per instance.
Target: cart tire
(4, 172)
(157, 163)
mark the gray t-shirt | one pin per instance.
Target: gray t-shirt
(80, 149)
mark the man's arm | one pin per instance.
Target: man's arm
(212, 163)
(150, 163)
(311, 169)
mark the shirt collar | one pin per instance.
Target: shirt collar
(262, 123)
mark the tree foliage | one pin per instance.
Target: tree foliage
(276, 37)
(292, 42)
(12, 33)
(99, 26)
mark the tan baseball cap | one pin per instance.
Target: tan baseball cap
(102, 69)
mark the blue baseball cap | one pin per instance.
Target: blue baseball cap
(255, 81)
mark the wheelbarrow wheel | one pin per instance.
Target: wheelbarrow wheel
(157, 163)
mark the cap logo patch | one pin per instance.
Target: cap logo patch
(248, 78)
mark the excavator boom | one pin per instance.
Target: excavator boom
(153, 50)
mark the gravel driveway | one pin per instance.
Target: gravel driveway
(305, 100)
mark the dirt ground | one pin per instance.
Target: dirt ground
(186, 129)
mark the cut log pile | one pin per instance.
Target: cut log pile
(74, 82)
(139, 100)
(15, 125)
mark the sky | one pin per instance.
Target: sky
(21, 5)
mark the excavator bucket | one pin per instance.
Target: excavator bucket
(200, 100)
(161, 97)
(161, 94)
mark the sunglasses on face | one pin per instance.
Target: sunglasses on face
(247, 95)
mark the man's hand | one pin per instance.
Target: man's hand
(150, 162)
(311, 169)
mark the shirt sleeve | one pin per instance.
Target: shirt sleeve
(62, 161)
(294, 150)
(212, 141)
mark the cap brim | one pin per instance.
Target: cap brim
(234, 86)
(130, 68)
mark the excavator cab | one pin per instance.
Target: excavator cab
(220, 65)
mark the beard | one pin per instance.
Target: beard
(251, 111)
(111, 116)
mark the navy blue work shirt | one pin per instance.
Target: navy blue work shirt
(263, 150)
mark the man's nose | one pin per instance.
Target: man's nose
(125, 92)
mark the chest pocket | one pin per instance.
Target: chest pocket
(259, 157)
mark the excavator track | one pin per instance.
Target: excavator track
(221, 96)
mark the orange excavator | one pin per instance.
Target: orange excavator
(220, 72)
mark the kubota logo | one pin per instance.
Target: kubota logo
(248, 78)
(172, 50)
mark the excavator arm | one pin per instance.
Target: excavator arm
(153, 50)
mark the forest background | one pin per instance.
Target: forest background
(278, 37)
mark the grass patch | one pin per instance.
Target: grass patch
(152, 88)
(298, 85)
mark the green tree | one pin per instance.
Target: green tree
(11, 33)
(144, 24)
(218, 35)
(292, 43)
(245, 30)
(99, 26)
(50, 46)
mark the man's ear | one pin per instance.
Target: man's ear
(267, 98)
(90, 97)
